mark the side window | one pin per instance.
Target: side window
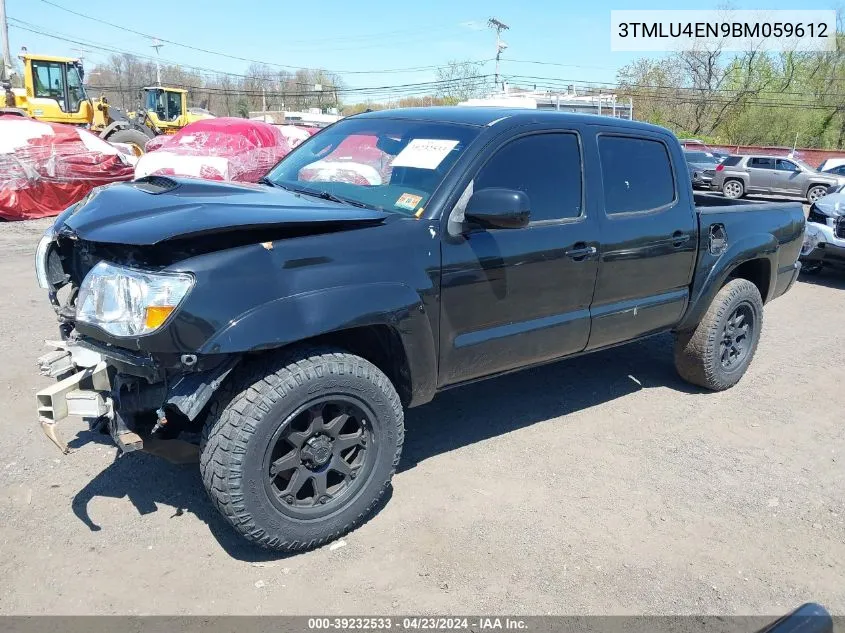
(49, 81)
(546, 167)
(636, 174)
(787, 165)
(762, 163)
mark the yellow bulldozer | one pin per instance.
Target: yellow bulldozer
(53, 92)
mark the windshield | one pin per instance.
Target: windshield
(388, 164)
(700, 157)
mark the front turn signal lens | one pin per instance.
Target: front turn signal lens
(156, 315)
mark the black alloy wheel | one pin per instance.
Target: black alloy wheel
(737, 335)
(319, 456)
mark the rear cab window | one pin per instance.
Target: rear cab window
(637, 174)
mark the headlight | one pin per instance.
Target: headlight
(41, 258)
(128, 302)
(811, 240)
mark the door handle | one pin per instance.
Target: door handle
(679, 238)
(581, 252)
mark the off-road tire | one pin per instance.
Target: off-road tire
(697, 352)
(136, 138)
(730, 186)
(254, 404)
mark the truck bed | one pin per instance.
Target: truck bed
(774, 229)
(707, 201)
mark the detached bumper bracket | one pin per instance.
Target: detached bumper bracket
(84, 393)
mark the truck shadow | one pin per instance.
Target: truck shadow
(497, 406)
(829, 278)
(454, 419)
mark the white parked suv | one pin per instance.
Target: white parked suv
(824, 238)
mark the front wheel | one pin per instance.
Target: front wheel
(815, 193)
(716, 354)
(302, 449)
(733, 189)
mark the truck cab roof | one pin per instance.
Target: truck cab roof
(482, 116)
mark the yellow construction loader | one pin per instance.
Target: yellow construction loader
(53, 91)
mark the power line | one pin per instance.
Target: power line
(26, 26)
(236, 57)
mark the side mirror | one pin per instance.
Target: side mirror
(497, 209)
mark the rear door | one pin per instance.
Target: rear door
(515, 297)
(649, 236)
(761, 171)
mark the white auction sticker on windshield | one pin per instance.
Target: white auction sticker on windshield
(424, 153)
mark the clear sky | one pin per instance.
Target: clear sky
(367, 35)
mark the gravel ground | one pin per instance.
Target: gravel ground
(601, 485)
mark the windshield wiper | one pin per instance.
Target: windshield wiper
(264, 180)
(323, 195)
(326, 195)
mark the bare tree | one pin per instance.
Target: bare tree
(459, 81)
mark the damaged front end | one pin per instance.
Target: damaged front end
(138, 397)
(143, 275)
(128, 396)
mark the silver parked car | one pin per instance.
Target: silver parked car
(739, 175)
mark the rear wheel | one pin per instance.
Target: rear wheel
(733, 189)
(815, 193)
(300, 450)
(134, 138)
(716, 354)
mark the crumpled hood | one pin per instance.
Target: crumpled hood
(157, 209)
(832, 205)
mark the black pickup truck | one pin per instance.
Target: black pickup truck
(391, 256)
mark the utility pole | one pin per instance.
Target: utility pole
(6, 60)
(157, 45)
(81, 52)
(498, 26)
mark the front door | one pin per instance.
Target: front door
(512, 297)
(788, 178)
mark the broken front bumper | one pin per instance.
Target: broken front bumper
(84, 390)
(109, 387)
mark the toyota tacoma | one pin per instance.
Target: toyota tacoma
(391, 256)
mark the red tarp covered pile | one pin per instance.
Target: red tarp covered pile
(356, 160)
(46, 167)
(219, 149)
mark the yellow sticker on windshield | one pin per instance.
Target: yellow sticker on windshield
(408, 201)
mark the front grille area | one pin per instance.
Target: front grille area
(839, 227)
